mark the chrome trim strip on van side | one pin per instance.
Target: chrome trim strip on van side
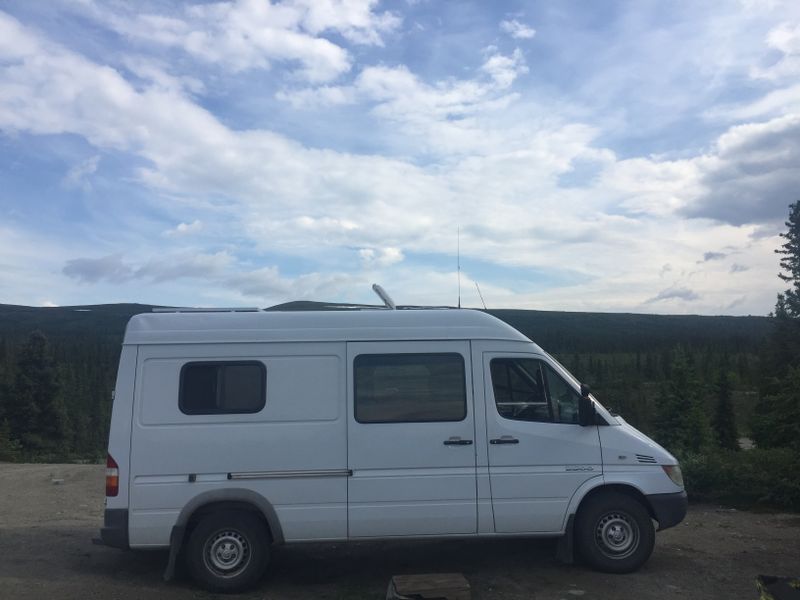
(291, 474)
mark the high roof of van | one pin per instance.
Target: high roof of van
(308, 326)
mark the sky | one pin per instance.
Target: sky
(633, 156)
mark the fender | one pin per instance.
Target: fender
(212, 497)
(579, 494)
(607, 479)
(234, 495)
(594, 483)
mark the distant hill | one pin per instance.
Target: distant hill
(556, 331)
(60, 321)
(628, 332)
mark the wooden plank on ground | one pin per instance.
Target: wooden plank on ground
(429, 586)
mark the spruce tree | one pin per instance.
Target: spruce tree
(786, 338)
(790, 262)
(776, 418)
(680, 422)
(724, 420)
(35, 411)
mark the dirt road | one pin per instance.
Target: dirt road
(46, 552)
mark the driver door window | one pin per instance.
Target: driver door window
(519, 390)
(526, 389)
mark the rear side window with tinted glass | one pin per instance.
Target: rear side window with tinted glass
(212, 388)
(409, 388)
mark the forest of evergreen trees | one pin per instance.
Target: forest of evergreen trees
(696, 384)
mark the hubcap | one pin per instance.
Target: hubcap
(617, 535)
(226, 553)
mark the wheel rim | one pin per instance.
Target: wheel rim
(226, 553)
(617, 535)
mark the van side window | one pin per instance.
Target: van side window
(409, 388)
(214, 388)
(563, 397)
(519, 390)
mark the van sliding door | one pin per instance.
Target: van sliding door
(411, 439)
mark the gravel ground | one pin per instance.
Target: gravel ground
(46, 527)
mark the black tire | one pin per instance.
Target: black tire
(614, 533)
(228, 551)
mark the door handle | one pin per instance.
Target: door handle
(506, 439)
(457, 441)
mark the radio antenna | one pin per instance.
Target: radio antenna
(481, 295)
(458, 262)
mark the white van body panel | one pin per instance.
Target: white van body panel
(405, 481)
(314, 471)
(632, 458)
(119, 437)
(301, 429)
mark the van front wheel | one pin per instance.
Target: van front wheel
(614, 533)
(227, 551)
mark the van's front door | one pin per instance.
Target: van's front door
(538, 454)
(411, 439)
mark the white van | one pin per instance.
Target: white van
(234, 431)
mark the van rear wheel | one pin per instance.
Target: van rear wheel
(227, 551)
(614, 533)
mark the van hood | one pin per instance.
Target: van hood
(624, 444)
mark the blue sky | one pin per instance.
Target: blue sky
(604, 156)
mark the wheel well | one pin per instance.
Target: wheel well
(628, 490)
(226, 505)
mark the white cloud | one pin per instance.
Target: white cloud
(505, 69)
(517, 30)
(79, 175)
(114, 269)
(380, 257)
(450, 116)
(182, 229)
(156, 73)
(92, 270)
(785, 39)
(354, 19)
(322, 96)
(750, 177)
(269, 286)
(251, 34)
(778, 102)
(193, 265)
(674, 293)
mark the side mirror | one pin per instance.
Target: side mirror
(586, 412)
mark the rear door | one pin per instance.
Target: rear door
(538, 454)
(411, 432)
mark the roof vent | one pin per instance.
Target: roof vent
(387, 300)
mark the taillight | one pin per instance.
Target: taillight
(112, 477)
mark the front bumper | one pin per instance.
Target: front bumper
(115, 528)
(669, 509)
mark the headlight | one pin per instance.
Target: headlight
(674, 473)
